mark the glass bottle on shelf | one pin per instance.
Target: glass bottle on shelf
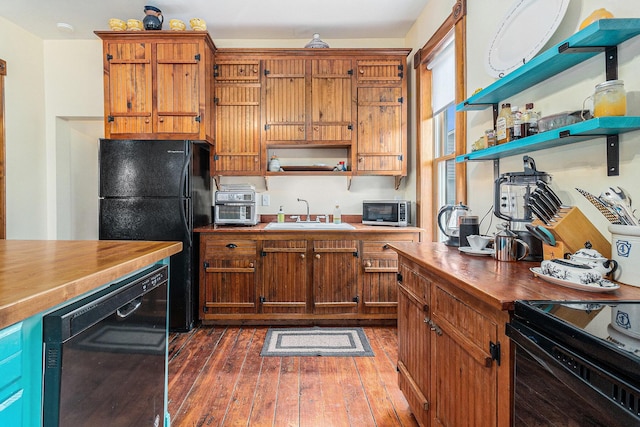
(530, 119)
(517, 129)
(503, 122)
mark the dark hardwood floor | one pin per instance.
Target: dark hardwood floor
(218, 378)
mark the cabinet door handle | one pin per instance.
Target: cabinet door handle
(302, 256)
(161, 120)
(317, 256)
(232, 246)
(367, 264)
(251, 265)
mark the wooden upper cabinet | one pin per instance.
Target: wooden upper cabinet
(351, 100)
(382, 117)
(237, 118)
(285, 100)
(158, 85)
(331, 100)
(128, 88)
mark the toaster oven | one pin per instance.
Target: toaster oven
(235, 207)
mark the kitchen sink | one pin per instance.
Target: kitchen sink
(308, 226)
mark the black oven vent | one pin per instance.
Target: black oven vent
(626, 396)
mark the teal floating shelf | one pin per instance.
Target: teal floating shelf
(582, 131)
(578, 48)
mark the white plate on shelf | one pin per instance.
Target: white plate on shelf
(522, 33)
(601, 286)
(481, 252)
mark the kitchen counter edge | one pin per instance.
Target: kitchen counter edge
(260, 227)
(499, 283)
(37, 275)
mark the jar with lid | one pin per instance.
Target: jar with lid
(610, 99)
(503, 123)
(530, 119)
(516, 118)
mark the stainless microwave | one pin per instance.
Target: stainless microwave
(386, 212)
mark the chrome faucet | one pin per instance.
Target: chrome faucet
(307, 203)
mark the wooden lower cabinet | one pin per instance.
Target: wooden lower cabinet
(335, 276)
(449, 352)
(277, 277)
(283, 286)
(227, 276)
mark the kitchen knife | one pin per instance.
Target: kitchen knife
(548, 190)
(537, 212)
(534, 199)
(541, 233)
(548, 199)
(550, 209)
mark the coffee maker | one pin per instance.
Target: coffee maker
(513, 193)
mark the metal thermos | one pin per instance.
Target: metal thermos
(469, 225)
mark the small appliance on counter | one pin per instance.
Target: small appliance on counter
(396, 213)
(520, 195)
(449, 217)
(235, 204)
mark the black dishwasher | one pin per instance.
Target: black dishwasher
(105, 355)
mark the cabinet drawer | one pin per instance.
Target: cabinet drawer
(229, 249)
(378, 257)
(415, 283)
(380, 71)
(237, 71)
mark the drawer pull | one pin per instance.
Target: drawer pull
(232, 246)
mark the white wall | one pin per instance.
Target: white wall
(580, 165)
(25, 133)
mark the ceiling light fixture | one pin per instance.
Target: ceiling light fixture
(316, 42)
(63, 27)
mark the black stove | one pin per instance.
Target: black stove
(577, 363)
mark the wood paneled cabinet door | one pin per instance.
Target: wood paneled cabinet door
(227, 277)
(156, 86)
(414, 343)
(335, 276)
(331, 100)
(381, 112)
(237, 106)
(379, 278)
(285, 101)
(463, 368)
(284, 277)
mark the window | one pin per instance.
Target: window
(441, 131)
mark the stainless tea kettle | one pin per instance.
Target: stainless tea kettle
(449, 222)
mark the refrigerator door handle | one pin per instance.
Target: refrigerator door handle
(184, 179)
(186, 215)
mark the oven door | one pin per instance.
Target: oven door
(235, 213)
(556, 386)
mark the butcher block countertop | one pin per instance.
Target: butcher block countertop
(38, 275)
(499, 283)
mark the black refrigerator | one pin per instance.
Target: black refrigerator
(159, 190)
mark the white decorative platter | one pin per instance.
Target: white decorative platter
(522, 33)
(601, 286)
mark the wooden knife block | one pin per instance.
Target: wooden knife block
(572, 230)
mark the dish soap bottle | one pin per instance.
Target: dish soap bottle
(281, 215)
(337, 214)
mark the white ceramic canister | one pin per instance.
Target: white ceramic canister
(625, 249)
